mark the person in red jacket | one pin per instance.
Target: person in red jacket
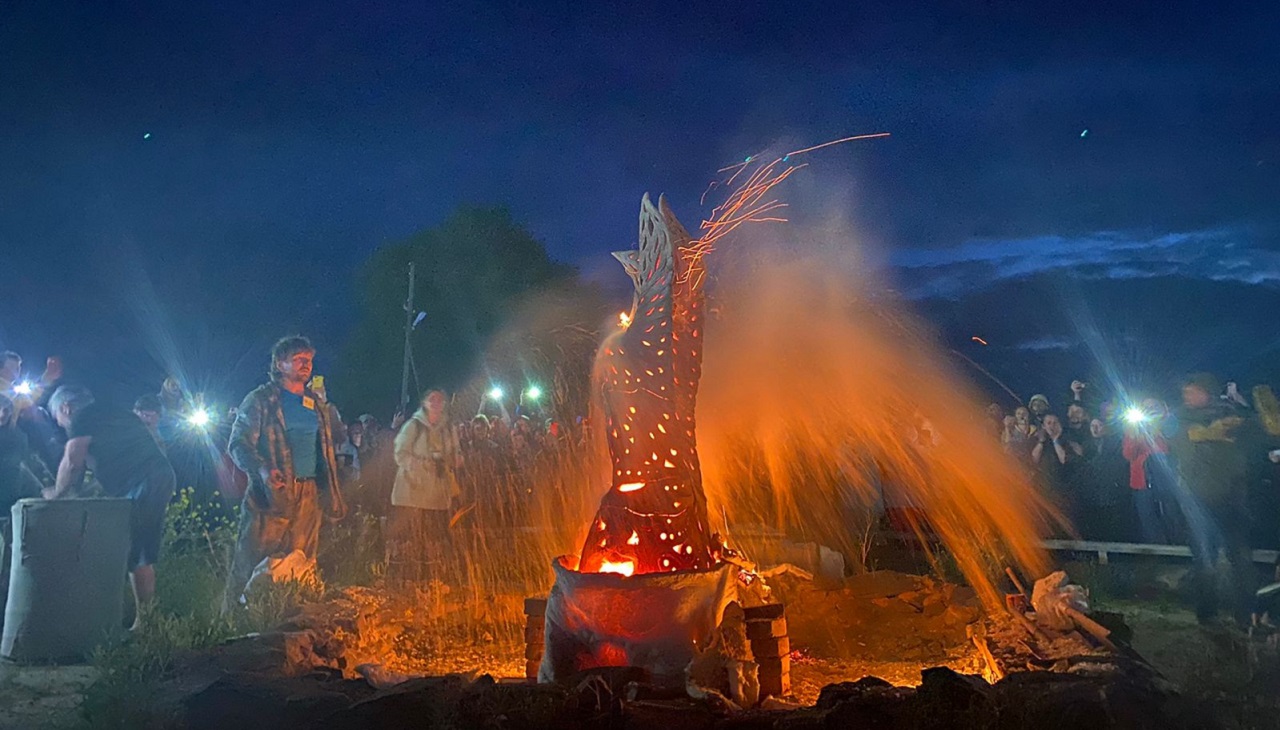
(1142, 441)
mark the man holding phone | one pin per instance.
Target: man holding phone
(282, 439)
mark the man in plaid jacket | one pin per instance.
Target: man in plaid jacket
(282, 439)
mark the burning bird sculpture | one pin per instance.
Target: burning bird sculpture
(654, 517)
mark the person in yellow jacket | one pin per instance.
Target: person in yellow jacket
(426, 486)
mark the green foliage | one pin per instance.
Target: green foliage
(198, 540)
(351, 552)
(474, 271)
(184, 618)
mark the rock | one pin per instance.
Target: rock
(878, 708)
(833, 694)
(379, 677)
(946, 698)
(241, 701)
(1049, 701)
(774, 704)
(744, 682)
(299, 652)
(673, 715)
(959, 615)
(454, 702)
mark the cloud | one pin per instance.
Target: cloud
(1224, 254)
(1043, 344)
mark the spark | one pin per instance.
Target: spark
(854, 138)
(979, 340)
(748, 203)
(624, 320)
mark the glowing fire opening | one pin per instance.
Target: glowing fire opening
(624, 567)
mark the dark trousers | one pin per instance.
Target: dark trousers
(1212, 528)
(1146, 505)
(6, 548)
(291, 523)
(418, 545)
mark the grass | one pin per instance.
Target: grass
(185, 618)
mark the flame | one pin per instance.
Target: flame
(634, 539)
(624, 567)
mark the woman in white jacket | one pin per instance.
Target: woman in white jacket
(427, 459)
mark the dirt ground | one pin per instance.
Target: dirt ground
(887, 625)
(1238, 674)
(43, 697)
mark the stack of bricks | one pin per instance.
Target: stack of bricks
(770, 647)
(535, 611)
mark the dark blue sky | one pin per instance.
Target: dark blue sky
(288, 140)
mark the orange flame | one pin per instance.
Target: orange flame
(624, 567)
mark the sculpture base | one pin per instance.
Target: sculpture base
(653, 621)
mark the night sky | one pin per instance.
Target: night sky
(1068, 180)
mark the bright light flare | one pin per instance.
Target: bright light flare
(199, 418)
(624, 320)
(495, 393)
(1135, 416)
(533, 393)
(24, 388)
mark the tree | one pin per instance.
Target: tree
(474, 274)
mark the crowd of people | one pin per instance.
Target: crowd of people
(1119, 470)
(1199, 473)
(284, 457)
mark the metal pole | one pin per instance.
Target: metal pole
(408, 353)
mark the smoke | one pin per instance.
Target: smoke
(822, 401)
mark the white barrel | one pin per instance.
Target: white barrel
(66, 579)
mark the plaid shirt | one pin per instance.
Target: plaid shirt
(258, 442)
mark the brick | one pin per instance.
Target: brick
(771, 629)
(779, 686)
(764, 613)
(775, 676)
(774, 665)
(772, 647)
(533, 652)
(535, 607)
(534, 635)
(531, 668)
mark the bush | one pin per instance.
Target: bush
(190, 580)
